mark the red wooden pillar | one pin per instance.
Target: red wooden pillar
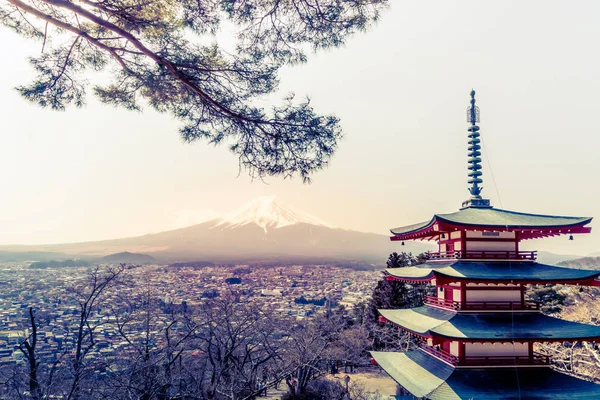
(530, 345)
(463, 294)
(446, 346)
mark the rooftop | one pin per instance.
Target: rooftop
(530, 225)
(493, 326)
(493, 271)
(426, 376)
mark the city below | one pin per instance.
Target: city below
(293, 292)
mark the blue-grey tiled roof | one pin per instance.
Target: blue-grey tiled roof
(492, 270)
(416, 371)
(489, 325)
(426, 377)
(494, 217)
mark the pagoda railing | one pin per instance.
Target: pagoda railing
(439, 353)
(483, 361)
(475, 361)
(479, 305)
(483, 255)
(436, 301)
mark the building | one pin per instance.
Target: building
(477, 334)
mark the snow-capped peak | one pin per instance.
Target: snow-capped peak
(268, 214)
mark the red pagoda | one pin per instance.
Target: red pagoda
(477, 334)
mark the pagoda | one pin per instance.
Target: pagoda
(477, 333)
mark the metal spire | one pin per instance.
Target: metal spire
(474, 158)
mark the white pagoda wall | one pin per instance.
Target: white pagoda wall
(489, 246)
(496, 349)
(440, 293)
(493, 295)
(482, 235)
(487, 241)
(455, 235)
(456, 295)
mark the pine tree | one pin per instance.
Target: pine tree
(165, 54)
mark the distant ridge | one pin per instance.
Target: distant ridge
(547, 257)
(58, 264)
(128, 258)
(582, 263)
(17, 256)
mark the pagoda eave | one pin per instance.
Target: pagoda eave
(433, 230)
(578, 227)
(518, 339)
(493, 340)
(421, 335)
(428, 377)
(431, 322)
(410, 280)
(490, 219)
(447, 279)
(493, 272)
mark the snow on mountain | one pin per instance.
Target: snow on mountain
(290, 236)
(267, 213)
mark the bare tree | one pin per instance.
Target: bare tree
(350, 347)
(578, 304)
(83, 338)
(158, 341)
(27, 347)
(243, 347)
(63, 374)
(311, 340)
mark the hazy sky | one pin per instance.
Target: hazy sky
(401, 91)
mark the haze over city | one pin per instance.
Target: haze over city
(400, 89)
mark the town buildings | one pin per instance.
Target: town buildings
(52, 294)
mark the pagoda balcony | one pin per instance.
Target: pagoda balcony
(439, 354)
(536, 359)
(491, 361)
(480, 305)
(483, 255)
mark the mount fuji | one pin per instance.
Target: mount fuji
(268, 214)
(263, 230)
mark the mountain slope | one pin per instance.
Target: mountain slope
(262, 230)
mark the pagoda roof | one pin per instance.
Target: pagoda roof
(493, 218)
(489, 326)
(493, 271)
(430, 378)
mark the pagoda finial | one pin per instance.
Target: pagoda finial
(474, 158)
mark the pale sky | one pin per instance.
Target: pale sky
(401, 91)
